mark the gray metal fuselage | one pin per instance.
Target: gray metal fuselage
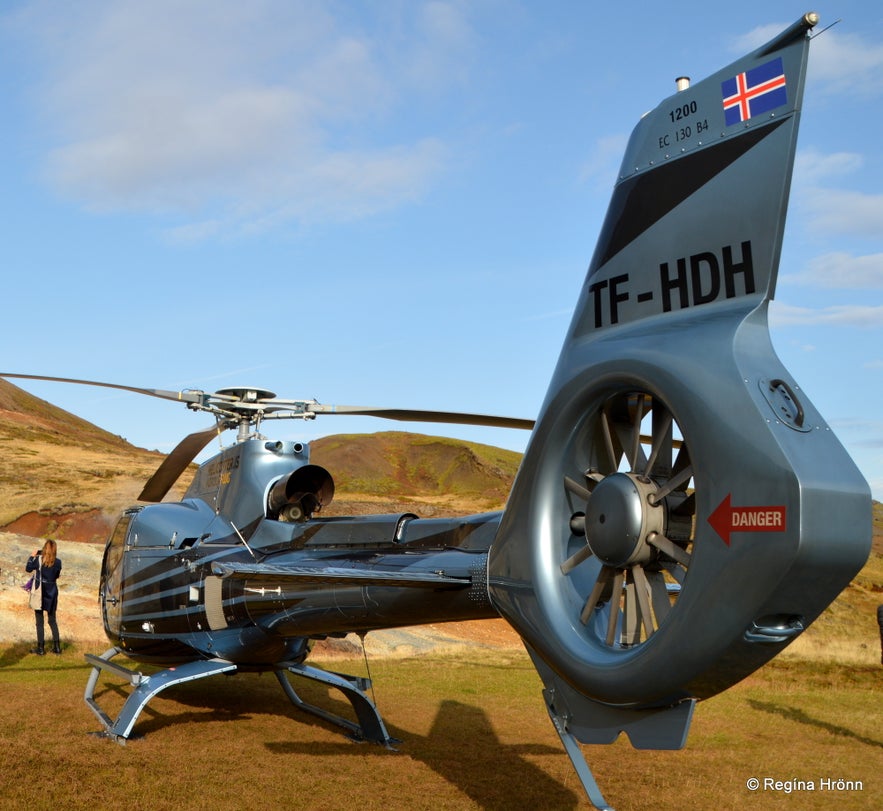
(177, 583)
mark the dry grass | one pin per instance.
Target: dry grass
(474, 736)
(847, 630)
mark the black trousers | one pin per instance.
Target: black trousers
(53, 626)
(880, 623)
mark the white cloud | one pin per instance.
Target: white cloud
(757, 36)
(840, 62)
(847, 315)
(830, 211)
(245, 114)
(839, 211)
(813, 166)
(846, 63)
(843, 271)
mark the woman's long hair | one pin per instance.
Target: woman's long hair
(50, 552)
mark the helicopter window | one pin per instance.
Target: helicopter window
(113, 555)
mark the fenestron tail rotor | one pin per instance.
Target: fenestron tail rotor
(632, 511)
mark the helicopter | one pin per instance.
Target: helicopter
(681, 514)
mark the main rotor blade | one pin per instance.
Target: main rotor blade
(419, 415)
(176, 463)
(300, 408)
(178, 396)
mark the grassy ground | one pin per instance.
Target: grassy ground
(474, 735)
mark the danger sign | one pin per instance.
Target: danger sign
(727, 519)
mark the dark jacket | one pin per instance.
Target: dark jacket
(49, 576)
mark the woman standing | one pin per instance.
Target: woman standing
(50, 569)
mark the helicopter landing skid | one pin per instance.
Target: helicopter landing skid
(370, 726)
(145, 687)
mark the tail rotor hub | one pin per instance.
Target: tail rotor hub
(620, 517)
(628, 483)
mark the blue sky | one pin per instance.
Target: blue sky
(389, 203)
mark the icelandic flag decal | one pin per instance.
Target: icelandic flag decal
(754, 92)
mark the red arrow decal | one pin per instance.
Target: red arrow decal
(727, 519)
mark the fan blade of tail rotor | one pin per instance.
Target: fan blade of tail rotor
(642, 592)
(419, 415)
(615, 598)
(631, 615)
(687, 507)
(176, 463)
(573, 486)
(671, 549)
(636, 452)
(659, 596)
(607, 434)
(659, 460)
(677, 572)
(603, 579)
(583, 553)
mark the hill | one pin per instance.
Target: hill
(62, 476)
(396, 470)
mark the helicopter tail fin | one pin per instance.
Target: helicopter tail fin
(698, 211)
(682, 511)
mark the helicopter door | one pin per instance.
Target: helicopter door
(111, 590)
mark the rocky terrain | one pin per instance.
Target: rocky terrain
(64, 478)
(78, 616)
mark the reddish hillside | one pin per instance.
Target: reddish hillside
(61, 475)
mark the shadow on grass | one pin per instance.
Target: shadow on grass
(20, 656)
(15, 653)
(462, 746)
(464, 750)
(800, 717)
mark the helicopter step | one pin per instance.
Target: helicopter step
(370, 726)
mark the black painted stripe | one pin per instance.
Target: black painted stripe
(641, 201)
